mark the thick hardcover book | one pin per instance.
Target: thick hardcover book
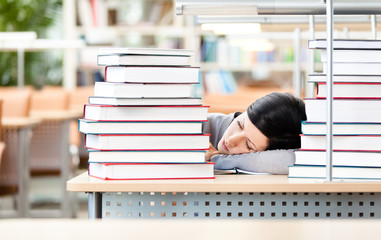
(147, 141)
(344, 110)
(146, 51)
(358, 128)
(152, 74)
(339, 158)
(321, 77)
(146, 171)
(342, 142)
(355, 68)
(170, 127)
(144, 101)
(137, 60)
(351, 90)
(145, 113)
(338, 172)
(346, 44)
(355, 55)
(147, 156)
(141, 90)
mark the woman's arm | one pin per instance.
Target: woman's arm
(270, 161)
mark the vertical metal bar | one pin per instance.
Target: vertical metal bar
(296, 73)
(66, 204)
(311, 86)
(20, 68)
(374, 26)
(24, 174)
(329, 100)
(94, 205)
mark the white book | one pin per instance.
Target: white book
(152, 74)
(147, 156)
(344, 110)
(355, 55)
(319, 128)
(339, 158)
(147, 141)
(135, 171)
(144, 101)
(137, 60)
(359, 68)
(173, 127)
(338, 172)
(145, 113)
(319, 77)
(342, 142)
(346, 44)
(351, 90)
(145, 51)
(141, 90)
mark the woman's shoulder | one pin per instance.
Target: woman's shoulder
(220, 117)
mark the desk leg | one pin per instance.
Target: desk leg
(66, 204)
(24, 174)
(94, 205)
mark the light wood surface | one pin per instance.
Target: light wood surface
(66, 229)
(19, 122)
(222, 183)
(58, 115)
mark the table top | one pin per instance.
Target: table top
(222, 183)
(185, 229)
(58, 115)
(19, 122)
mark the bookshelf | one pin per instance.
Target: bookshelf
(327, 8)
(104, 23)
(116, 26)
(21, 42)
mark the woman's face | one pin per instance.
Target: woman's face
(242, 136)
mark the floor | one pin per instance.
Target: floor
(45, 194)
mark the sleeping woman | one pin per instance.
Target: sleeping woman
(261, 139)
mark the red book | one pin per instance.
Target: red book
(342, 142)
(145, 113)
(152, 74)
(351, 90)
(344, 110)
(147, 141)
(151, 171)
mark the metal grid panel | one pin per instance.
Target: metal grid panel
(241, 205)
(46, 151)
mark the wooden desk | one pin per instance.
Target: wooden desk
(64, 229)
(228, 196)
(51, 152)
(16, 135)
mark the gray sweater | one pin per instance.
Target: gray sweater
(271, 161)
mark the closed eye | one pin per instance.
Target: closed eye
(240, 125)
(248, 147)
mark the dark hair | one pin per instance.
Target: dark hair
(278, 116)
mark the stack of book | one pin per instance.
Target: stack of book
(143, 122)
(356, 113)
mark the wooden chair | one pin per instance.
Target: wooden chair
(50, 147)
(15, 133)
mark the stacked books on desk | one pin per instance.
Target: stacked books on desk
(142, 122)
(356, 114)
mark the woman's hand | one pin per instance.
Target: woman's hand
(211, 152)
